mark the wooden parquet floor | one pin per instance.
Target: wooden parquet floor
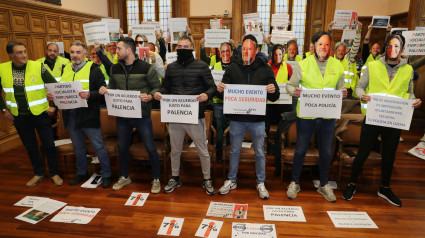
(191, 202)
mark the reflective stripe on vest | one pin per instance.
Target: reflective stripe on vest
(82, 75)
(312, 78)
(369, 59)
(35, 91)
(379, 82)
(297, 58)
(103, 69)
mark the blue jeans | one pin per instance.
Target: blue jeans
(144, 128)
(26, 126)
(79, 143)
(324, 131)
(237, 133)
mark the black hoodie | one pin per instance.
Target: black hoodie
(257, 73)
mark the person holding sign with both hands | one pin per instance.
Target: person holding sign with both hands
(388, 76)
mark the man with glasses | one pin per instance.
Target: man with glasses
(155, 58)
(189, 76)
(112, 52)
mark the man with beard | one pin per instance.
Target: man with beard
(250, 69)
(319, 71)
(25, 104)
(53, 62)
(390, 76)
(292, 54)
(133, 74)
(188, 76)
(226, 52)
(85, 121)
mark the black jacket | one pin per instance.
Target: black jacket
(191, 77)
(89, 117)
(257, 73)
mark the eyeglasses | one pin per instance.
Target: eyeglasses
(141, 42)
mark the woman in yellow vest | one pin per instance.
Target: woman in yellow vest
(26, 105)
(389, 76)
(319, 71)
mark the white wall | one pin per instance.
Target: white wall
(374, 7)
(209, 7)
(94, 7)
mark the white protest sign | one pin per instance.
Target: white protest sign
(177, 28)
(280, 21)
(283, 213)
(399, 29)
(114, 28)
(123, 103)
(281, 37)
(380, 21)
(214, 37)
(258, 35)
(348, 35)
(351, 219)
(93, 182)
(245, 99)
(284, 98)
(418, 151)
(415, 42)
(179, 109)
(389, 112)
(41, 211)
(30, 201)
(75, 215)
(320, 103)
(171, 226)
(137, 199)
(209, 228)
(60, 46)
(252, 21)
(344, 19)
(217, 75)
(228, 210)
(65, 95)
(157, 24)
(96, 31)
(171, 57)
(216, 23)
(144, 29)
(253, 230)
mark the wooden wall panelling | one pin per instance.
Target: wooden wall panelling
(77, 28)
(21, 21)
(53, 24)
(54, 38)
(5, 20)
(4, 39)
(316, 12)
(26, 39)
(66, 26)
(39, 42)
(67, 40)
(38, 23)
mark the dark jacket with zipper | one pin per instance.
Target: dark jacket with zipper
(141, 77)
(89, 117)
(190, 77)
(257, 73)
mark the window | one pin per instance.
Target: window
(295, 8)
(151, 10)
(132, 12)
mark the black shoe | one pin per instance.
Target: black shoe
(349, 192)
(387, 194)
(78, 179)
(106, 182)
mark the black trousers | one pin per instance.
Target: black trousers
(390, 139)
(26, 126)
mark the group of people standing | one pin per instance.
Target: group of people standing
(26, 103)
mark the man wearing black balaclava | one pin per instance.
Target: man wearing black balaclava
(188, 76)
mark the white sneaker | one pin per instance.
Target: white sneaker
(121, 183)
(327, 193)
(228, 185)
(262, 191)
(156, 186)
(293, 190)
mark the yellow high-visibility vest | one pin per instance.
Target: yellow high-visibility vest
(297, 58)
(82, 75)
(57, 69)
